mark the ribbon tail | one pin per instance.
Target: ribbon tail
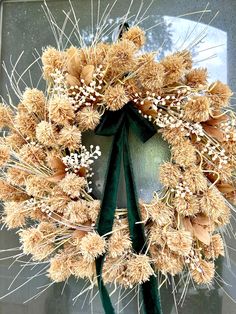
(149, 289)
(107, 212)
(104, 295)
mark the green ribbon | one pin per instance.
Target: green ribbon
(117, 123)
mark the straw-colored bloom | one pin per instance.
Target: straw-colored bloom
(215, 249)
(45, 133)
(34, 100)
(179, 241)
(32, 154)
(197, 77)
(81, 268)
(6, 116)
(4, 154)
(118, 243)
(120, 56)
(174, 68)
(197, 109)
(72, 184)
(70, 137)
(61, 111)
(139, 269)
(92, 245)
(170, 174)
(220, 94)
(150, 74)
(59, 269)
(14, 215)
(75, 212)
(184, 154)
(136, 35)
(87, 118)
(115, 97)
(52, 59)
(203, 273)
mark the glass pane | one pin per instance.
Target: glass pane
(25, 28)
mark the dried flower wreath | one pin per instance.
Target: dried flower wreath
(47, 171)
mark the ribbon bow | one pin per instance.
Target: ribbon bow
(117, 123)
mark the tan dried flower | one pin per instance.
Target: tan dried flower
(157, 236)
(220, 94)
(114, 270)
(203, 273)
(14, 215)
(139, 269)
(173, 135)
(82, 268)
(215, 249)
(197, 109)
(87, 118)
(38, 186)
(160, 213)
(92, 245)
(119, 243)
(187, 58)
(174, 68)
(179, 241)
(115, 97)
(58, 200)
(72, 184)
(96, 55)
(32, 154)
(197, 77)
(168, 262)
(60, 269)
(75, 212)
(52, 59)
(45, 133)
(187, 206)
(170, 174)
(136, 35)
(11, 193)
(93, 209)
(70, 137)
(195, 179)
(26, 123)
(36, 244)
(6, 116)
(4, 155)
(213, 205)
(151, 74)
(120, 56)
(35, 102)
(184, 154)
(17, 176)
(15, 141)
(61, 111)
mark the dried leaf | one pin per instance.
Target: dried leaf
(82, 172)
(187, 224)
(214, 132)
(225, 188)
(72, 80)
(216, 121)
(58, 164)
(58, 176)
(201, 234)
(201, 220)
(87, 73)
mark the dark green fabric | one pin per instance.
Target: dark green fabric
(117, 123)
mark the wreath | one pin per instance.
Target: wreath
(47, 170)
